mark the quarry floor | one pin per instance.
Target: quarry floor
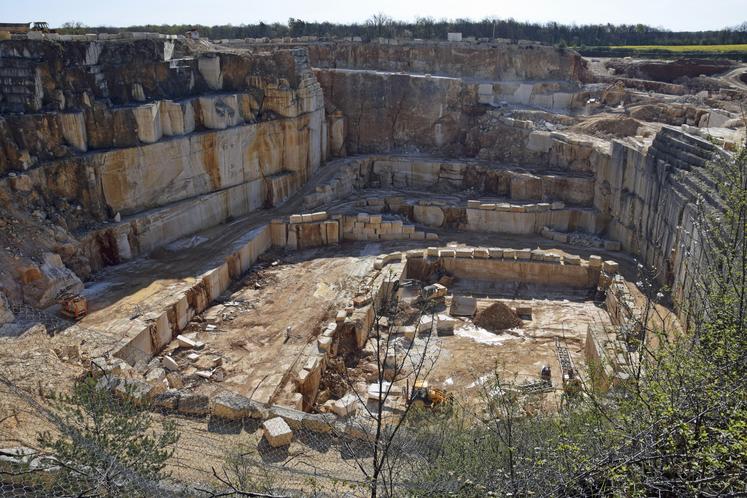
(250, 332)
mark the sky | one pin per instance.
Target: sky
(678, 15)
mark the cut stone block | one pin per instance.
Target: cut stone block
(187, 343)
(595, 262)
(345, 405)
(611, 267)
(523, 254)
(463, 306)
(325, 343)
(277, 432)
(229, 405)
(495, 252)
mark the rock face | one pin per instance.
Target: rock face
(164, 158)
(50, 280)
(669, 71)
(652, 203)
(494, 61)
(423, 112)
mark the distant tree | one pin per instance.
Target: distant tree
(379, 24)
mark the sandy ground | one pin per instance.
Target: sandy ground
(269, 322)
(472, 355)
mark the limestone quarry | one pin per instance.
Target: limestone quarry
(233, 213)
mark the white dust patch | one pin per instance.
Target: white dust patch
(479, 334)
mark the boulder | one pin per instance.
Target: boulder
(52, 279)
(432, 216)
(193, 404)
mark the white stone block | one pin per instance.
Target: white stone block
(169, 363)
(277, 432)
(346, 405)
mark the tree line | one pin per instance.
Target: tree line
(430, 28)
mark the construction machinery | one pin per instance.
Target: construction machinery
(73, 306)
(424, 396)
(434, 292)
(42, 26)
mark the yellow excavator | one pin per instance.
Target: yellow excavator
(424, 396)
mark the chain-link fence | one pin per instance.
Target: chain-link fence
(99, 440)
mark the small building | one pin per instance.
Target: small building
(454, 37)
(15, 27)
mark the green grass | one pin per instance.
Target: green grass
(685, 48)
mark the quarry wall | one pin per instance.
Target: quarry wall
(160, 143)
(488, 61)
(141, 148)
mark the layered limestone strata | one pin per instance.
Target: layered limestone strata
(163, 143)
(399, 111)
(429, 113)
(488, 61)
(134, 159)
(122, 94)
(514, 183)
(654, 203)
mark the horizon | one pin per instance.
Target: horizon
(669, 15)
